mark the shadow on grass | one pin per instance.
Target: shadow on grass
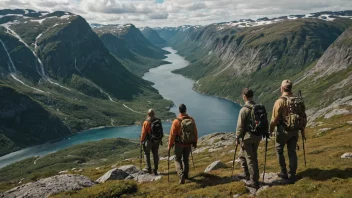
(206, 180)
(322, 175)
(171, 173)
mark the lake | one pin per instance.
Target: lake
(211, 114)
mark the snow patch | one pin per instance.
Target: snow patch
(65, 17)
(326, 17)
(38, 20)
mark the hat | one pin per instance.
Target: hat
(287, 84)
(248, 92)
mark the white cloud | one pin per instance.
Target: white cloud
(178, 12)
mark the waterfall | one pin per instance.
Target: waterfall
(13, 33)
(14, 70)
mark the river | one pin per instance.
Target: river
(211, 114)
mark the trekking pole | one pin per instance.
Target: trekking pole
(304, 151)
(233, 162)
(192, 159)
(168, 166)
(266, 149)
(140, 160)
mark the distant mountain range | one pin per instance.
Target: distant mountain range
(313, 50)
(57, 77)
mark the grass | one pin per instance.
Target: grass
(326, 174)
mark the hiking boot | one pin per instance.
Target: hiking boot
(282, 175)
(155, 172)
(292, 179)
(182, 180)
(252, 184)
(147, 170)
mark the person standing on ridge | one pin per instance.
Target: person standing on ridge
(249, 139)
(151, 138)
(289, 117)
(184, 135)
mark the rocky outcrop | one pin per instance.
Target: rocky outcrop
(215, 165)
(128, 172)
(48, 186)
(346, 156)
(114, 174)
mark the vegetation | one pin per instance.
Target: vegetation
(328, 176)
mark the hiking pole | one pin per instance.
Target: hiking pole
(168, 166)
(233, 162)
(192, 159)
(140, 159)
(266, 149)
(304, 151)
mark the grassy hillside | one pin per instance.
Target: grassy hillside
(328, 176)
(258, 57)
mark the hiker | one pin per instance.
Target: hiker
(289, 117)
(151, 138)
(184, 135)
(249, 138)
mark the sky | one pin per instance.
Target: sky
(159, 13)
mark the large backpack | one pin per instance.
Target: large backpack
(258, 124)
(296, 118)
(187, 135)
(156, 132)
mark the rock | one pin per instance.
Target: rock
(349, 122)
(142, 177)
(336, 112)
(322, 131)
(63, 172)
(113, 174)
(346, 156)
(272, 179)
(165, 158)
(217, 139)
(79, 170)
(20, 182)
(215, 165)
(73, 169)
(201, 150)
(48, 186)
(130, 169)
(236, 195)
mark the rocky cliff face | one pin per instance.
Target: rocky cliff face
(130, 47)
(224, 59)
(152, 36)
(61, 64)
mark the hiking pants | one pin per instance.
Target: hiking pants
(182, 155)
(154, 148)
(292, 155)
(249, 159)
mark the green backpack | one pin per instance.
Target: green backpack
(187, 135)
(296, 119)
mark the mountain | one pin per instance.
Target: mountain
(167, 33)
(63, 70)
(226, 58)
(130, 47)
(152, 36)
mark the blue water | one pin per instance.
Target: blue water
(211, 114)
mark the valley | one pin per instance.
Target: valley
(83, 89)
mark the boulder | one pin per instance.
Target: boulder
(272, 179)
(113, 174)
(142, 177)
(130, 169)
(48, 186)
(215, 165)
(349, 122)
(346, 156)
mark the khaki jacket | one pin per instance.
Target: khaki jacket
(243, 124)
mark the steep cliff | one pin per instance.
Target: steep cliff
(130, 47)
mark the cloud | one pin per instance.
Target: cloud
(178, 12)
